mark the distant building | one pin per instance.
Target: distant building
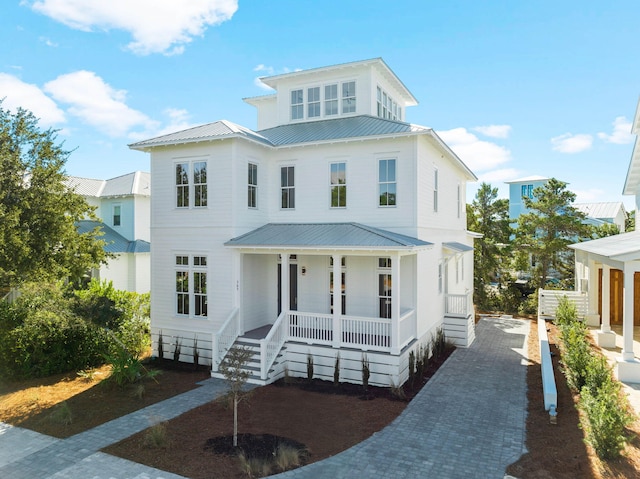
(600, 213)
(518, 189)
(123, 205)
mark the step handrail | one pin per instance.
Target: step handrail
(272, 344)
(225, 337)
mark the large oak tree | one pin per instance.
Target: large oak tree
(39, 239)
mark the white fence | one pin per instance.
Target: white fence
(548, 302)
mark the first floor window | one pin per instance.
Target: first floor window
(287, 187)
(384, 294)
(252, 186)
(440, 278)
(191, 285)
(343, 287)
(338, 185)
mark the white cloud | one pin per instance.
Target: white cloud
(621, 134)
(48, 42)
(569, 143)
(494, 131)
(97, 103)
(30, 97)
(157, 26)
(499, 176)
(477, 154)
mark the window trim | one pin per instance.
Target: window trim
(117, 206)
(190, 188)
(291, 205)
(387, 182)
(252, 187)
(298, 106)
(338, 185)
(191, 296)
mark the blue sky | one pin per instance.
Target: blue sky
(515, 88)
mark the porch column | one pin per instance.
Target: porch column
(605, 337)
(592, 318)
(395, 304)
(628, 367)
(627, 314)
(284, 282)
(238, 260)
(337, 299)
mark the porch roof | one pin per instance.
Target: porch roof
(622, 247)
(325, 236)
(457, 247)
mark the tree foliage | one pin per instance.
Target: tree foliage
(489, 216)
(38, 213)
(551, 224)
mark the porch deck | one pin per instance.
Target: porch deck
(258, 333)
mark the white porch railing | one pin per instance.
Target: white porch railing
(271, 345)
(407, 328)
(366, 333)
(225, 337)
(459, 305)
(313, 328)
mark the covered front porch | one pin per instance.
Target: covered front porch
(337, 287)
(608, 270)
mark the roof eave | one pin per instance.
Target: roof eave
(148, 148)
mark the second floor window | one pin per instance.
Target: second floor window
(527, 191)
(387, 182)
(287, 187)
(297, 105)
(191, 182)
(116, 215)
(435, 190)
(338, 185)
(252, 186)
(331, 100)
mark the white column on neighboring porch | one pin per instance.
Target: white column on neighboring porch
(284, 282)
(593, 317)
(627, 314)
(395, 304)
(337, 299)
(606, 298)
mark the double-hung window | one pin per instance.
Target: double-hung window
(338, 185)
(297, 105)
(191, 285)
(313, 102)
(287, 187)
(117, 217)
(527, 191)
(349, 97)
(387, 182)
(191, 182)
(384, 287)
(435, 190)
(331, 100)
(252, 186)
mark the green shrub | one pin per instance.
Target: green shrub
(309, 367)
(336, 371)
(412, 368)
(566, 311)
(529, 305)
(597, 373)
(125, 367)
(606, 415)
(575, 354)
(366, 372)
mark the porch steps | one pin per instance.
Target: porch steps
(253, 365)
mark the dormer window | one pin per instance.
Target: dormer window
(388, 108)
(313, 99)
(331, 100)
(297, 105)
(349, 97)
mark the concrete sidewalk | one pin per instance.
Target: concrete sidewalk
(467, 422)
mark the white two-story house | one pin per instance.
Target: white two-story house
(123, 205)
(334, 228)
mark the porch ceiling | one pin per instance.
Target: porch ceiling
(329, 236)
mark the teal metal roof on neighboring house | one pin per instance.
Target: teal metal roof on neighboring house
(115, 242)
(325, 235)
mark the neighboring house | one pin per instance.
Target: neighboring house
(123, 205)
(600, 213)
(255, 232)
(519, 189)
(608, 271)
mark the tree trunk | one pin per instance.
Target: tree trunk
(235, 420)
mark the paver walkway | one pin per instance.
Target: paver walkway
(467, 422)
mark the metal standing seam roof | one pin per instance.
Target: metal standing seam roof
(115, 242)
(325, 235)
(211, 131)
(600, 210)
(136, 183)
(457, 247)
(621, 247)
